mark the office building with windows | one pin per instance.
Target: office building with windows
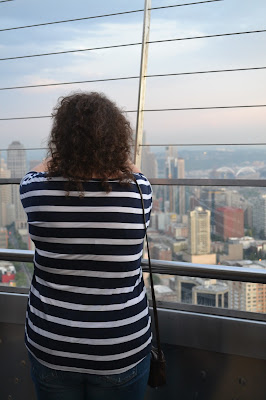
(199, 237)
(229, 222)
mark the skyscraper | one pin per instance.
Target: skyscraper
(16, 163)
(181, 175)
(6, 208)
(229, 222)
(175, 169)
(199, 237)
(149, 165)
(211, 198)
(171, 169)
(259, 215)
(199, 231)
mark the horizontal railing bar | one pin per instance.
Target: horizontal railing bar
(231, 273)
(223, 272)
(10, 181)
(16, 255)
(209, 182)
(160, 145)
(28, 148)
(199, 144)
(207, 310)
(181, 182)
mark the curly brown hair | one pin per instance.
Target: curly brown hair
(90, 137)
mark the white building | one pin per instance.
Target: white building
(16, 163)
(199, 231)
(247, 296)
(6, 209)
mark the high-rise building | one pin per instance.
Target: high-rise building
(237, 200)
(195, 198)
(181, 175)
(6, 208)
(247, 296)
(210, 199)
(149, 164)
(171, 171)
(3, 238)
(175, 169)
(229, 222)
(199, 237)
(199, 231)
(259, 215)
(16, 163)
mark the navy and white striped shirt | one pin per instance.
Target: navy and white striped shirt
(87, 309)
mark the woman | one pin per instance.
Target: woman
(88, 325)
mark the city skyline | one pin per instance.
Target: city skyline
(198, 233)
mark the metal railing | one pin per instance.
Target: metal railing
(180, 182)
(231, 273)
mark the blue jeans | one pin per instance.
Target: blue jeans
(52, 384)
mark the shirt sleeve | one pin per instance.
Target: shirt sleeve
(28, 182)
(146, 190)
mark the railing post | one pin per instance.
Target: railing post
(142, 82)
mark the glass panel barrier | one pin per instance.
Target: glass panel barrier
(211, 293)
(199, 225)
(13, 273)
(210, 226)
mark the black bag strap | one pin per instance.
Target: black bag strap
(156, 321)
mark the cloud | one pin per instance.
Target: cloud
(171, 57)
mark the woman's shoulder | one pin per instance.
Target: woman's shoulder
(31, 180)
(33, 175)
(141, 178)
(143, 182)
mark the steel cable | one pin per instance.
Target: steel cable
(103, 15)
(154, 110)
(134, 77)
(134, 44)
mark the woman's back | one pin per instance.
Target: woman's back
(87, 309)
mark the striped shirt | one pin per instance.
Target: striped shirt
(87, 310)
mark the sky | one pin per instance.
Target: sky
(175, 127)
